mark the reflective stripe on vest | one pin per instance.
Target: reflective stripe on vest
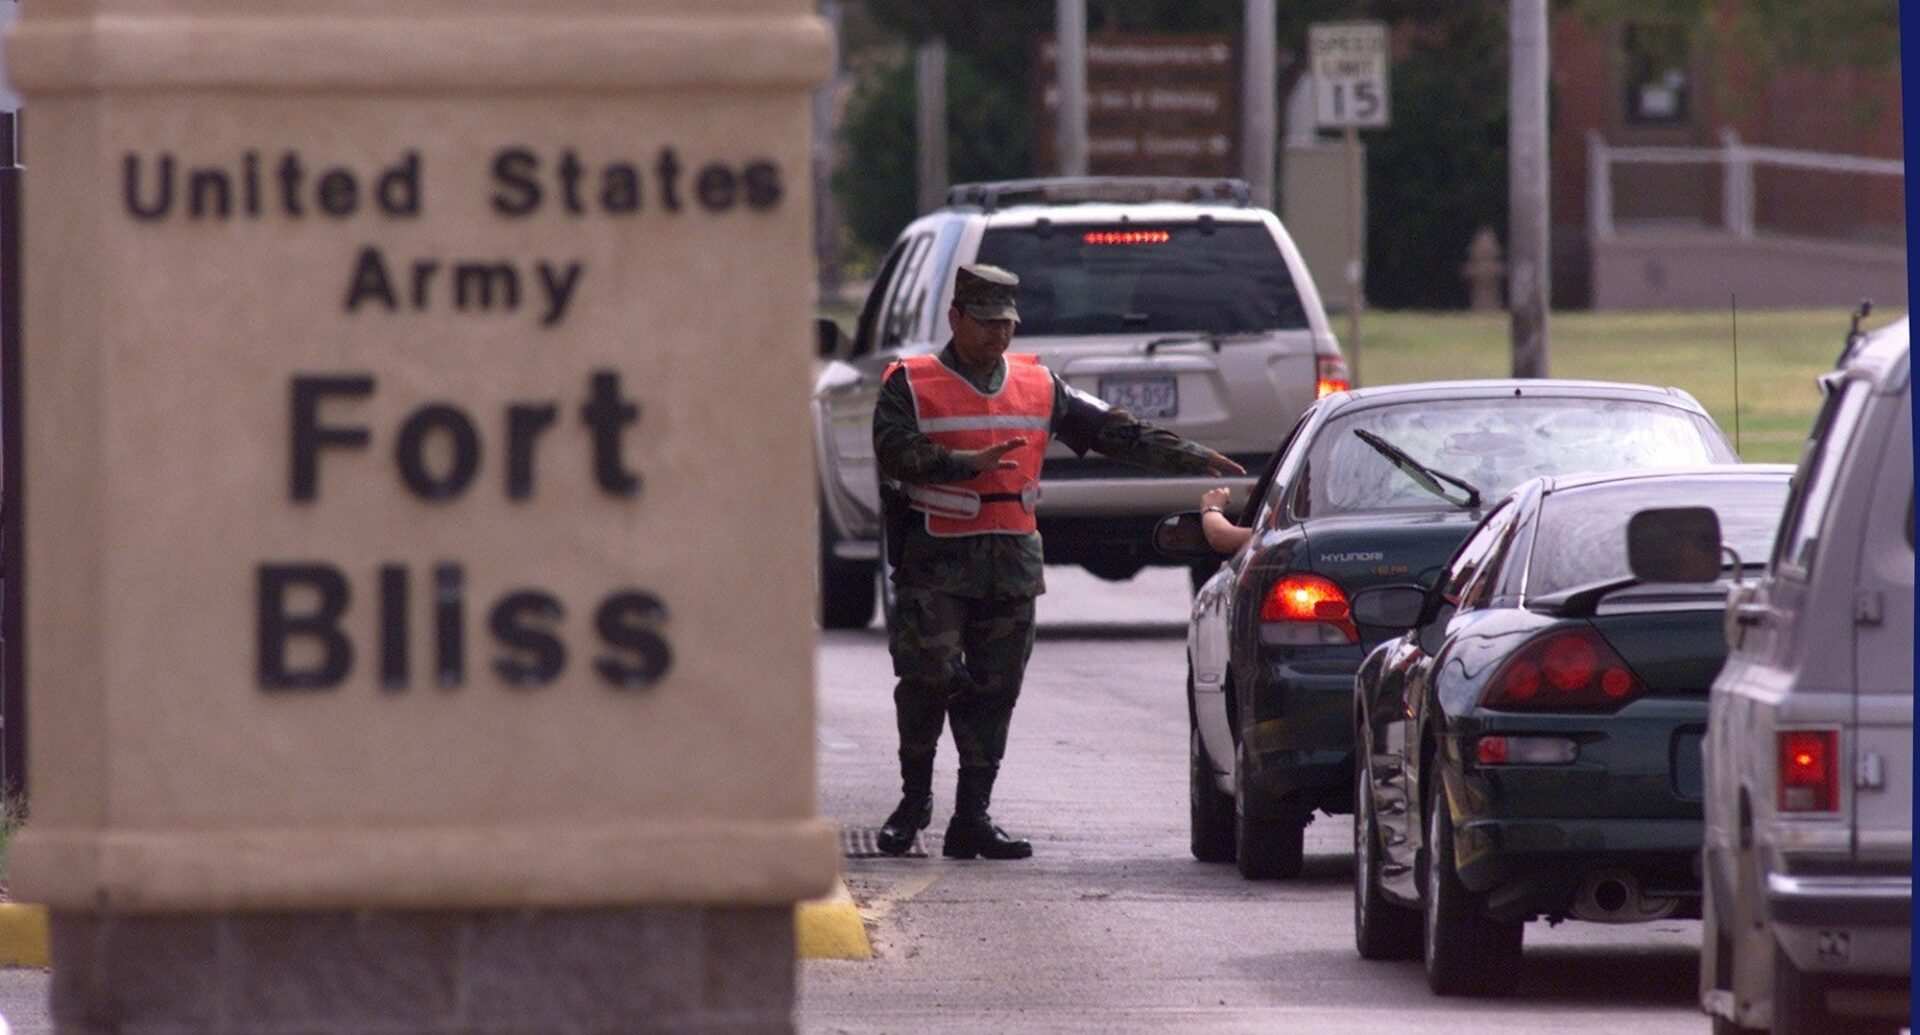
(955, 414)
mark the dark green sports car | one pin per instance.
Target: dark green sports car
(1531, 747)
(1370, 492)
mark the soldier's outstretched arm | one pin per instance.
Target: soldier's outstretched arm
(1085, 423)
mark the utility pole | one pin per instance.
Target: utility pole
(930, 92)
(1528, 222)
(826, 213)
(1071, 34)
(1260, 93)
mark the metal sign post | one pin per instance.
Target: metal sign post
(1356, 250)
(1349, 64)
(13, 684)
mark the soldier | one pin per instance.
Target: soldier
(959, 438)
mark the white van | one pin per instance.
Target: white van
(1809, 747)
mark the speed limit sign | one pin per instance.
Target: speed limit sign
(1349, 74)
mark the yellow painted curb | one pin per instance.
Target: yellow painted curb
(830, 928)
(825, 929)
(23, 935)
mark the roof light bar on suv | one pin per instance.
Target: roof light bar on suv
(1121, 190)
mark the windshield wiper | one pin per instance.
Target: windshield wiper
(1213, 338)
(1422, 475)
(1184, 339)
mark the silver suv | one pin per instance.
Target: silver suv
(1809, 742)
(1172, 298)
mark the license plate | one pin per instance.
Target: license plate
(1145, 397)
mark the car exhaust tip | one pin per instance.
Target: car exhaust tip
(1614, 896)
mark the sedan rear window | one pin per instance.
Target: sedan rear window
(1582, 538)
(1491, 444)
(1132, 278)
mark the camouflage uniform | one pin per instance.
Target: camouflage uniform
(962, 628)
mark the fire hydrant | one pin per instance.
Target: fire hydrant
(1483, 271)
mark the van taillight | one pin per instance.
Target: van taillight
(1331, 373)
(1304, 609)
(1809, 771)
(1571, 669)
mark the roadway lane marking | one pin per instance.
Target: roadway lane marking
(880, 905)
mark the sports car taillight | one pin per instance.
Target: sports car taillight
(1572, 669)
(1331, 376)
(1809, 770)
(1303, 610)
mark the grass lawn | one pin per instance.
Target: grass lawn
(1781, 352)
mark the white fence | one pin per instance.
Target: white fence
(1737, 161)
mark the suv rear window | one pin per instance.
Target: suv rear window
(1583, 532)
(1132, 278)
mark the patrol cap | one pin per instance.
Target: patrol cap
(986, 292)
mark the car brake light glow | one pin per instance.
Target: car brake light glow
(1572, 669)
(1307, 609)
(1809, 770)
(1331, 374)
(1127, 237)
(1569, 662)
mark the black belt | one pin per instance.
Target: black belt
(1000, 497)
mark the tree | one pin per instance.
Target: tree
(1434, 177)
(1440, 172)
(991, 48)
(989, 137)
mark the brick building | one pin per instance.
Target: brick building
(1767, 220)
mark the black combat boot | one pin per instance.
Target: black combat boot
(916, 806)
(972, 833)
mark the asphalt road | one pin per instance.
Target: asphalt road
(1112, 926)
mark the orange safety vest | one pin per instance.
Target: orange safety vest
(955, 414)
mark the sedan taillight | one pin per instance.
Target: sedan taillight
(1573, 669)
(1305, 610)
(1809, 770)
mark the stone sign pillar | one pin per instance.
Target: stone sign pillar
(418, 539)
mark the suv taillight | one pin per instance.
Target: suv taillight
(1573, 669)
(1306, 610)
(1809, 770)
(1332, 376)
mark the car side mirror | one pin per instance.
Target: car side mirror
(829, 341)
(1674, 544)
(1180, 537)
(1393, 607)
